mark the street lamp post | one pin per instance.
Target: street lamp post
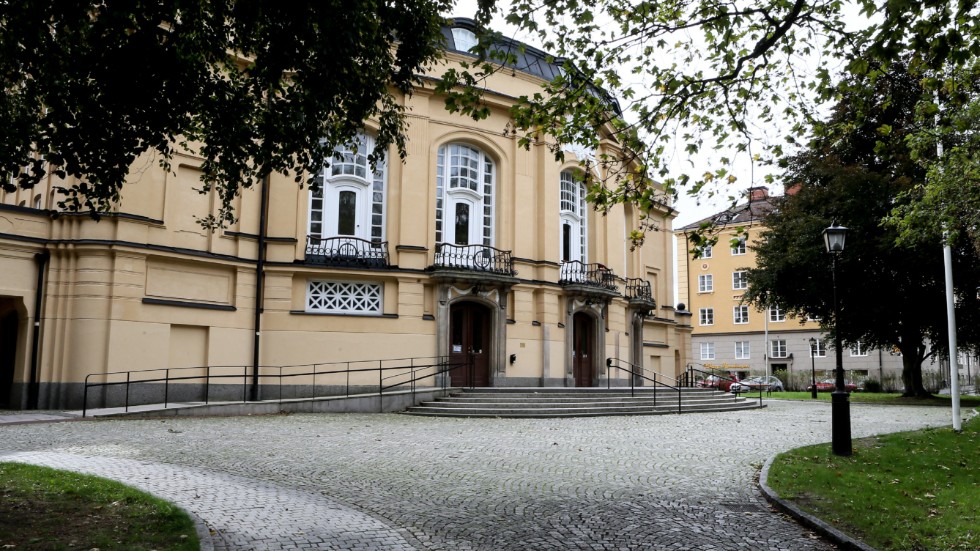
(813, 369)
(840, 411)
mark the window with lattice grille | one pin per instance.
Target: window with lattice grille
(344, 297)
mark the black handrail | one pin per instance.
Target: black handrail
(576, 272)
(637, 371)
(439, 365)
(347, 251)
(480, 258)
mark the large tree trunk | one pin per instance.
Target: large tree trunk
(913, 353)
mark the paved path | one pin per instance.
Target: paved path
(372, 481)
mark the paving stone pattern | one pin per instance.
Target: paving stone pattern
(373, 481)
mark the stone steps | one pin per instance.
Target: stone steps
(591, 402)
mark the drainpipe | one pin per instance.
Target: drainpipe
(41, 259)
(259, 287)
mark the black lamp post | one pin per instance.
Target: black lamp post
(840, 412)
(813, 369)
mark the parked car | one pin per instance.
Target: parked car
(828, 385)
(714, 381)
(767, 383)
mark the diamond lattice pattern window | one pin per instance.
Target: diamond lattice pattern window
(345, 297)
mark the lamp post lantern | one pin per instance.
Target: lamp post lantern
(813, 369)
(840, 412)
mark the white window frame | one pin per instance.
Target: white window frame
(776, 314)
(739, 249)
(464, 39)
(743, 350)
(481, 194)
(740, 314)
(777, 348)
(707, 351)
(706, 283)
(740, 280)
(857, 350)
(820, 350)
(350, 171)
(573, 211)
(365, 298)
(706, 316)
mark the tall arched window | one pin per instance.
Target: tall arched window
(351, 198)
(464, 196)
(573, 218)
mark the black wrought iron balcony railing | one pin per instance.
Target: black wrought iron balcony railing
(346, 251)
(638, 288)
(575, 272)
(478, 258)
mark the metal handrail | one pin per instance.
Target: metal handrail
(347, 251)
(480, 258)
(574, 272)
(415, 367)
(637, 371)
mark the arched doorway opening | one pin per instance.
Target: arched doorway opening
(469, 339)
(583, 349)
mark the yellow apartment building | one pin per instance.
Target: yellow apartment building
(729, 335)
(470, 247)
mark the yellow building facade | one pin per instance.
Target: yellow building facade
(470, 246)
(731, 336)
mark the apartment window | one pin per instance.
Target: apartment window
(741, 314)
(858, 349)
(742, 350)
(706, 283)
(344, 297)
(740, 280)
(704, 251)
(707, 316)
(776, 314)
(819, 350)
(739, 249)
(778, 348)
(707, 351)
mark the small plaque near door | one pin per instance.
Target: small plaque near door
(457, 348)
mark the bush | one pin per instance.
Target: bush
(872, 385)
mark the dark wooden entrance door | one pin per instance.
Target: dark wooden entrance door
(469, 337)
(583, 345)
(8, 352)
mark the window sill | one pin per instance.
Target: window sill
(344, 314)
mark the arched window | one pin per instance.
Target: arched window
(464, 39)
(573, 218)
(464, 194)
(351, 198)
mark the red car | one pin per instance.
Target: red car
(714, 381)
(829, 385)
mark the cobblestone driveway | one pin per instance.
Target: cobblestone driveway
(353, 481)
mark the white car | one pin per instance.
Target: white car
(754, 384)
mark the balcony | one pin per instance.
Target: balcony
(592, 280)
(640, 295)
(346, 252)
(475, 263)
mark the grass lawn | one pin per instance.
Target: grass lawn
(907, 491)
(877, 398)
(47, 509)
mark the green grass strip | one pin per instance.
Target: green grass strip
(917, 491)
(48, 509)
(966, 401)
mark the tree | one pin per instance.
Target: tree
(890, 296)
(704, 75)
(253, 87)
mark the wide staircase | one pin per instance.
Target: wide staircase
(581, 402)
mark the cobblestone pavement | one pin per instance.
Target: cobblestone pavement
(384, 481)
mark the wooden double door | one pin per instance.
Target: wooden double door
(469, 340)
(583, 349)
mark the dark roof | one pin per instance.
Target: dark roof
(741, 214)
(529, 59)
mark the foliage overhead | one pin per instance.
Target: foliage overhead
(253, 87)
(704, 77)
(890, 296)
